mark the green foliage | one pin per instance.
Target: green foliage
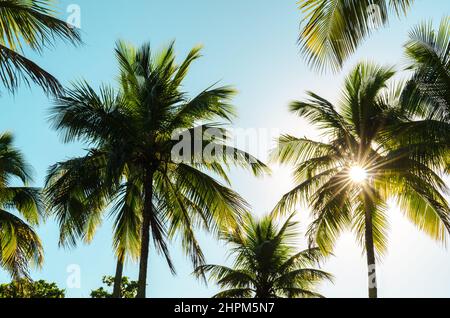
(128, 288)
(427, 95)
(403, 159)
(33, 23)
(24, 288)
(333, 29)
(132, 133)
(266, 263)
(366, 131)
(20, 247)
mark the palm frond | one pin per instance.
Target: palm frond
(380, 226)
(33, 23)
(27, 201)
(235, 293)
(16, 69)
(427, 92)
(83, 114)
(76, 193)
(20, 247)
(333, 29)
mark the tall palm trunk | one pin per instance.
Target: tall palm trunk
(370, 249)
(145, 235)
(117, 291)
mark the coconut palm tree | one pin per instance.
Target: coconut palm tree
(333, 29)
(20, 246)
(33, 23)
(157, 145)
(266, 263)
(348, 177)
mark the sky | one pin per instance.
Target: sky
(251, 45)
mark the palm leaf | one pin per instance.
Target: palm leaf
(32, 22)
(333, 29)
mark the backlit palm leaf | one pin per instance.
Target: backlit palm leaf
(333, 29)
(403, 158)
(20, 247)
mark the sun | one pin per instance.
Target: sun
(358, 174)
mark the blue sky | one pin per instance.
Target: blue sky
(250, 44)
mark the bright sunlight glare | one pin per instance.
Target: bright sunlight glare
(358, 174)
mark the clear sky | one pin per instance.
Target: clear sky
(250, 44)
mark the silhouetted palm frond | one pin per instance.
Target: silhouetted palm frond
(32, 23)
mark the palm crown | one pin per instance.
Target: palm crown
(133, 132)
(20, 246)
(348, 178)
(266, 262)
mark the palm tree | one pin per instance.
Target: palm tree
(348, 177)
(32, 22)
(136, 132)
(20, 246)
(266, 263)
(333, 29)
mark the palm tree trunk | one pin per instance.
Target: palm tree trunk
(370, 249)
(117, 291)
(145, 236)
